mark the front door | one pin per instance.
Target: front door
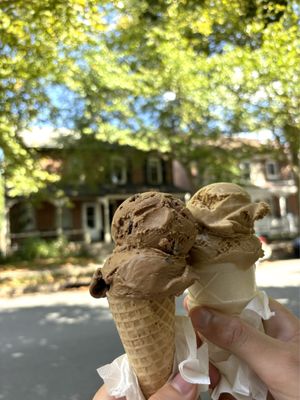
(92, 221)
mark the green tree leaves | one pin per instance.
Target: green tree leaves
(172, 75)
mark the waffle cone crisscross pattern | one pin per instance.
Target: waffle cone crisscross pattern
(146, 328)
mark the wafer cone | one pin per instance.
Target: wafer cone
(146, 329)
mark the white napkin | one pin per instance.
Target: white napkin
(193, 363)
(236, 377)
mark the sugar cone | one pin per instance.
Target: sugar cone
(225, 287)
(146, 329)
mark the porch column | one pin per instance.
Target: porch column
(282, 206)
(107, 234)
(59, 221)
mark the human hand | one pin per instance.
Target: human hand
(176, 389)
(274, 356)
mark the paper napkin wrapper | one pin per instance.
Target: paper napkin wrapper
(193, 363)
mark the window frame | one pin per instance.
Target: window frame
(275, 175)
(123, 164)
(157, 162)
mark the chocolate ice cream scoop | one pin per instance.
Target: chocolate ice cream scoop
(154, 220)
(153, 233)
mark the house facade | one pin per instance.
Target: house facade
(271, 180)
(85, 208)
(265, 179)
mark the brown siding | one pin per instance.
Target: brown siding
(14, 218)
(45, 217)
(168, 172)
(77, 220)
(293, 204)
(138, 171)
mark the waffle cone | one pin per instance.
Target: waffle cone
(146, 329)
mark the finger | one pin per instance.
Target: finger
(177, 389)
(283, 325)
(214, 376)
(259, 350)
(102, 394)
(186, 303)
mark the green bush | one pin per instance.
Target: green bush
(34, 248)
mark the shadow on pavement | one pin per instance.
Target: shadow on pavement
(53, 352)
(289, 296)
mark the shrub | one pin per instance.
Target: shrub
(33, 248)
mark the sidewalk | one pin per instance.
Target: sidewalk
(21, 281)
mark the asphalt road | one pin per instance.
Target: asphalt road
(51, 345)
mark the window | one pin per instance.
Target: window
(118, 171)
(272, 170)
(154, 171)
(245, 170)
(90, 216)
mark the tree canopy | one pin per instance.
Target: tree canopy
(173, 75)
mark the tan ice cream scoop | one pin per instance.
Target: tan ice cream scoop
(153, 233)
(226, 247)
(225, 217)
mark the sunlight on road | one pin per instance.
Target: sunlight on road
(278, 273)
(66, 298)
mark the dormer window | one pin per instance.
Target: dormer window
(118, 171)
(272, 170)
(154, 171)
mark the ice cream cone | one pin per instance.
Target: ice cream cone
(146, 329)
(215, 287)
(226, 248)
(153, 233)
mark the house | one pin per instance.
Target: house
(271, 180)
(264, 177)
(91, 188)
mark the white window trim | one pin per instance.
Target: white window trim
(157, 162)
(276, 168)
(122, 161)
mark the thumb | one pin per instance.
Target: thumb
(176, 389)
(260, 351)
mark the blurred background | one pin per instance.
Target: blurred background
(103, 99)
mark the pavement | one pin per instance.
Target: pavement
(281, 280)
(52, 344)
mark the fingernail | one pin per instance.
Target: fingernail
(204, 318)
(182, 386)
